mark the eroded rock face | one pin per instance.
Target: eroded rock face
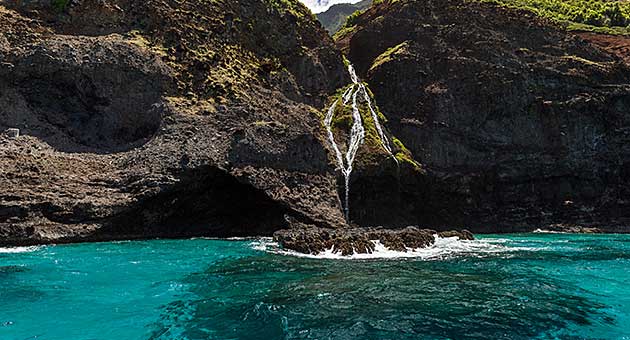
(84, 93)
(148, 118)
(348, 241)
(519, 124)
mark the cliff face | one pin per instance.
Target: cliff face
(163, 118)
(518, 123)
(172, 119)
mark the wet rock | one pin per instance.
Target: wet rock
(461, 234)
(313, 240)
(571, 229)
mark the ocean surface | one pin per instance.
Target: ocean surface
(519, 286)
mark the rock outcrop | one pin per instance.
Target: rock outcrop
(518, 123)
(158, 118)
(349, 241)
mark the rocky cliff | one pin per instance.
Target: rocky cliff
(163, 118)
(159, 118)
(518, 123)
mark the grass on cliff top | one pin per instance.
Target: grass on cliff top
(296, 8)
(603, 16)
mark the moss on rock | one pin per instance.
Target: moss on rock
(371, 151)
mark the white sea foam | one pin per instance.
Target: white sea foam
(232, 238)
(543, 231)
(15, 250)
(263, 244)
(442, 248)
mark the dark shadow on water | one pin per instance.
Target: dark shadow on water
(276, 297)
(7, 270)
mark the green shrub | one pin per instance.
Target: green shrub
(60, 5)
(578, 13)
(351, 20)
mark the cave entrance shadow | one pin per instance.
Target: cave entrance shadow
(208, 202)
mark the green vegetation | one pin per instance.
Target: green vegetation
(346, 62)
(342, 120)
(60, 5)
(378, 2)
(295, 8)
(404, 155)
(387, 55)
(343, 31)
(372, 150)
(335, 17)
(610, 16)
(352, 18)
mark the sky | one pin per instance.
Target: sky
(318, 6)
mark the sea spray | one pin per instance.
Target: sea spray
(15, 250)
(443, 249)
(353, 94)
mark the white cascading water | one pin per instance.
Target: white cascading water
(357, 132)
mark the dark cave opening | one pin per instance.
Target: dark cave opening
(206, 201)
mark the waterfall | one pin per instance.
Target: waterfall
(353, 94)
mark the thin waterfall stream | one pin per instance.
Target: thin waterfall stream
(357, 91)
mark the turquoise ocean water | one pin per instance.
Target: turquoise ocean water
(521, 286)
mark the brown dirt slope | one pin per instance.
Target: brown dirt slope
(617, 44)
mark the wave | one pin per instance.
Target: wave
(543, 231)
(15, 250)
(443, 248)
(232, 238)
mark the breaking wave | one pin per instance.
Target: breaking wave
(544, 231)
(15, 250)
(443, 248)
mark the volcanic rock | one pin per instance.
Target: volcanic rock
(517, 123)
(159, 119)
(348, 241)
